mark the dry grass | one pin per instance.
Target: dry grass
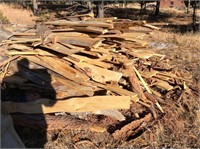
(180, 127)
(16, 14)
(187, 40)
(3, 19)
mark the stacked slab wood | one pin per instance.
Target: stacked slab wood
(98, 66)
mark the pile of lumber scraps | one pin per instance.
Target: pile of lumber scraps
(90, 67)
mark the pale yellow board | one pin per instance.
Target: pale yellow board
(84, 104)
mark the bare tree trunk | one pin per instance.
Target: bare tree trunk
(188, 7)
(194, 16)
(157, 7)
(35, 7)
(89, 4)
(100, 9)
(141, 7)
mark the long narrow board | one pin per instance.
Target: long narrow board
(86, 104)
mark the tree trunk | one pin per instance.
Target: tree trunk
(35, 7)
(157, 7)
(89, 4)
(100, 9)
(188, 7)
(194, 16)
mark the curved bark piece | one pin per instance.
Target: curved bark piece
(131, 128)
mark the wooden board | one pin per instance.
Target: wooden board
(80, 24)
(80, 41)
(86, 104)
(59, 67)
(97, 73)
(61, 49)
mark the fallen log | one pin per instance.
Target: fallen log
(129, 129)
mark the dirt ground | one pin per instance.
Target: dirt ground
(179, 127)
(16, 14)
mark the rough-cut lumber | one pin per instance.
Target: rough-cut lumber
(85, 90)
(163, 85)
(87, 59)
(60, 49)
(8, 60)
(151, 26)
(144, 54)
(81, 24)
(135, 85)
(91, 29)
(80, 41)
(59, 67)
(95, 62)
(21, 41)
(97, 73)
(86, 104)
(24, 34)
(22, 53)
(118, 90)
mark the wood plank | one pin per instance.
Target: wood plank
(97, 73)
(21, 41)
(80, 24)
(86, 104)
(24, 34)
(95, 62)
(59, 67)
(143, 54)
(151, 26)
(163, 85)
(60, 49)
(2, 63)
(90, 29)
(79, 41)
(119, 91)
(79, 88)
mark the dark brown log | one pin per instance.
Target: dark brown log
(50, 122)
(129, 129)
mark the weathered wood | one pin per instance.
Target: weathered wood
(51, 122)
(91, 29)
(129, 129)
(21, 41)
(95, 62)
(135, 85)
(97, 73)
(81, 24)
(24, 34)
(60, 49)
(79, 41)
(55, 65)
(8, 60)
(86, 104)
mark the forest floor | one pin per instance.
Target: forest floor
(180, 127)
